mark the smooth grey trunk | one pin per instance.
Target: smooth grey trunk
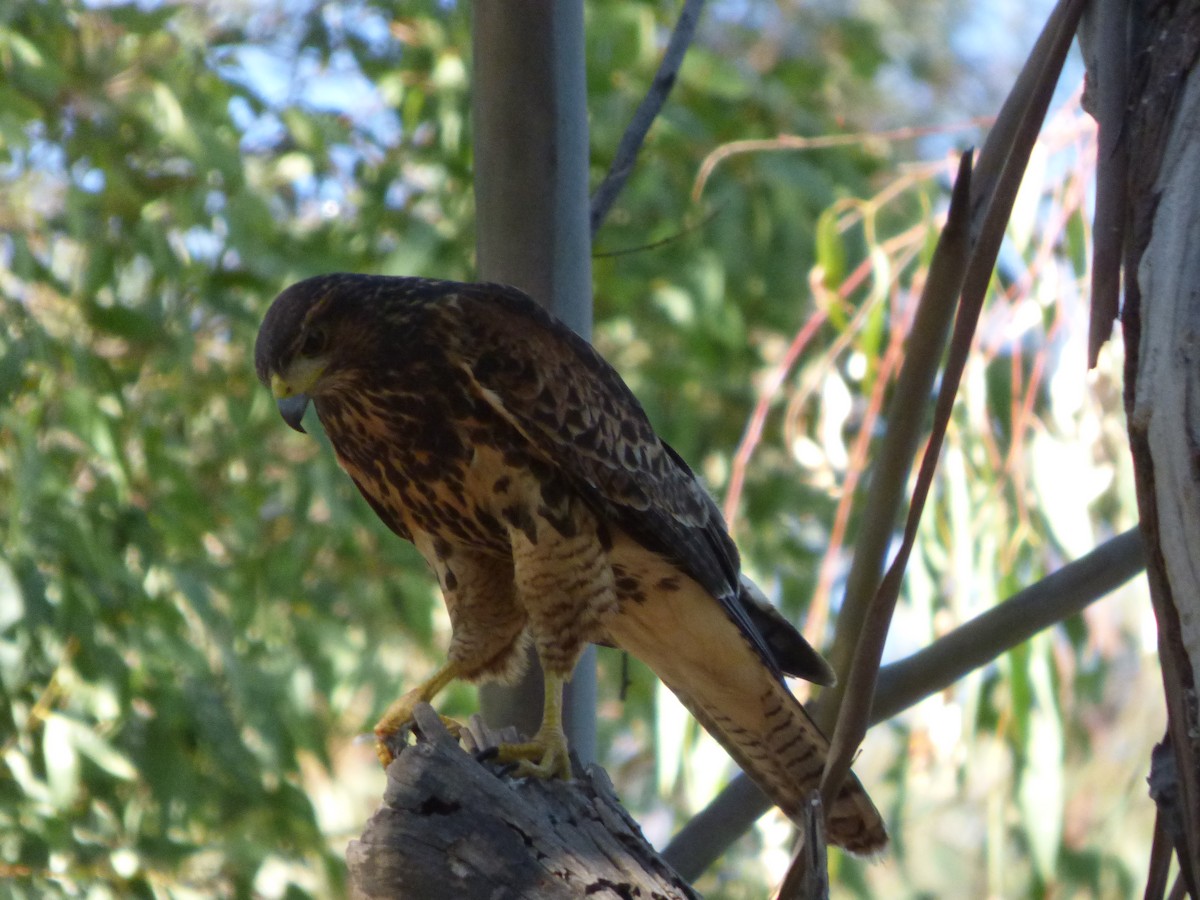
(529, 105)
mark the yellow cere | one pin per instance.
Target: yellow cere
(299, 378)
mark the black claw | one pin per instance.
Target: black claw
(489, 754)
(397, 742)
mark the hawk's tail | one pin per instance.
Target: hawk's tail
(694, 645)
(783, 751)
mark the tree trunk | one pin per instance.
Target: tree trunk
(529, 105)
(1161, 321)
(452, 827)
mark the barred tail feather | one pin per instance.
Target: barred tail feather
(690, 641)
(784, 754)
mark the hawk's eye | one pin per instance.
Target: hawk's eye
(314, 342)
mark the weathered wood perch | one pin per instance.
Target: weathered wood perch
(451, 826)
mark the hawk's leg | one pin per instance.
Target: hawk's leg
(487, 625)
(400, 714)
(565, 583)
(546, 755)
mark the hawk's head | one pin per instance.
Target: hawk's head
(302, 344)
(323, 333)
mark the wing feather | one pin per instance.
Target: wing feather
(574, 408)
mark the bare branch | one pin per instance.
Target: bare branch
(852, 699)
(1019, 123)
(1108, 73)
(906, 418)
(646, 113)
(808, 876)
(796, 142)
(976, 643)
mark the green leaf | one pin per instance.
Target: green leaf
(121, 321)
(103, 754)
(62, 760)
(831, 249)
(1041, 790)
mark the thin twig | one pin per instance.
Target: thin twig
(758, 418)
(853, 717)
(653, 245)
(773, 383)
(646, 113)
(1112, 170)
(946, 275)
(821, 142)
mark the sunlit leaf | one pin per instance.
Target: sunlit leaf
(831, 250)
(62, 760)
(1041, 792)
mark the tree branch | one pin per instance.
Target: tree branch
(646, 113)
(1104, 35)
(451, 827)
(1024, 113)
(1159, 319)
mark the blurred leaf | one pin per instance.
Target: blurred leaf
(831, 250)
(62, 760)
(99, 751)
(1041, 791)
(124, 322)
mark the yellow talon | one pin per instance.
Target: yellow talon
(545, 756)
(399, 715)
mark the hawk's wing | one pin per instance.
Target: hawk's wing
(574, 409)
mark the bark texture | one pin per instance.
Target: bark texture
(1161, 319)
(452, 827)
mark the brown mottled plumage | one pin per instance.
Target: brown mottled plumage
(525, 471)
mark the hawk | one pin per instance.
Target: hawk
(526, 473)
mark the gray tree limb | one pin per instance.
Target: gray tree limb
(1162, 344)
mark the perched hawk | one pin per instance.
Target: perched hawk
(527, 474)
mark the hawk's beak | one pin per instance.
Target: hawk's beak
(291, 405)
(292, 409)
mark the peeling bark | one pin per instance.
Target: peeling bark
(452, 827)
(1161, 320)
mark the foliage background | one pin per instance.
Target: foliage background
(197, 612)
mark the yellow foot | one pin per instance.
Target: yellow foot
(391, 725)
(544, 757)
(399, 716)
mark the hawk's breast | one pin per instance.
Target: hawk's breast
(453, 470)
